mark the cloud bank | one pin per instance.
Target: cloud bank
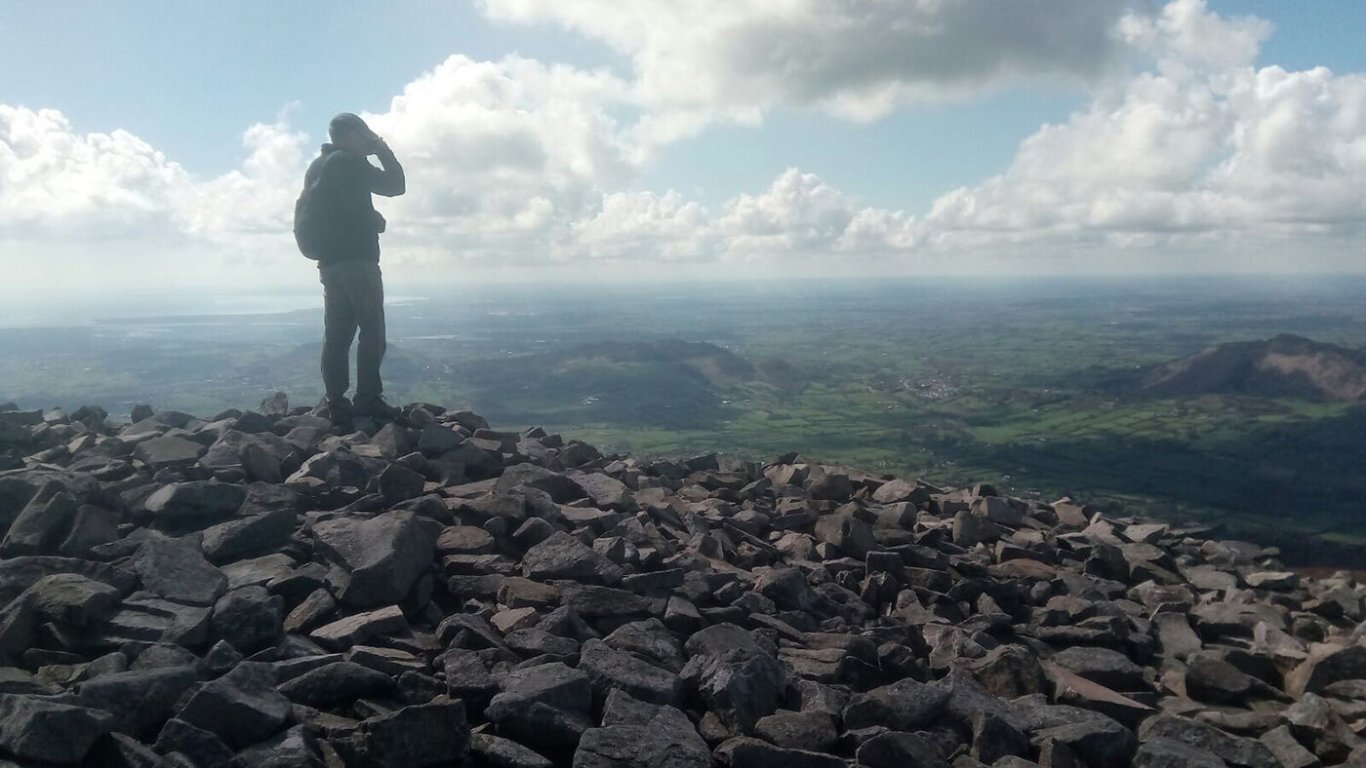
(1186, 147)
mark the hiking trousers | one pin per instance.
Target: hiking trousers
(353, 300)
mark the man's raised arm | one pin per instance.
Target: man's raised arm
(388, 180)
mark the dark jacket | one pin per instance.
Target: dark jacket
(350, 225)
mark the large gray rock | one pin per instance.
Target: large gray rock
(899, 749)
(1216, 681)
(176, 570)
(384, 555)
(787, 588)
(547, 707)
(295, 748)
(850, 535)
(337, 683)
(746, 752)
(199, 746)
(258, 455)
(436, 439)
(1292, 754)
(1010, 671)
(560, 487)
(1103, 665)
(1315, 723)
(905, 705)
(606, 491)
(564, 557)
(498, 752)
(168, 451)
(313, 610)
(649, 640)
(249, 618)
(71, 599)
(664, 739)
(429, 735)
(811, 731)
(361, 627)
(895, 491)
(151, 619)
(119, 750)
(1098, 741)
(249, 535)
(68, 600)
(1163, 752)
(34, 728)
(241, 708)
(398, 483)
(195, 502)
(1326, 666)
(609, 669)
(139, 700)
(42, 524)
(734, 675)
(1235, 750)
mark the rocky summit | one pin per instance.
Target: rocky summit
(267, 588)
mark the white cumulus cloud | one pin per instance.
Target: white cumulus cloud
(1204, 147)
(856, 58)
(1185, 146)
(56, 181)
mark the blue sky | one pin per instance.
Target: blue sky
(188, 79)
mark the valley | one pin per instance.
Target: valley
(1035, 386)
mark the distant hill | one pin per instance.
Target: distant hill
(666, 383)
(718, 366)
(1284, 366)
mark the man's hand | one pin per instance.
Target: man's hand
(388, 180)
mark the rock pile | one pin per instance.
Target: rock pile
(266, 588)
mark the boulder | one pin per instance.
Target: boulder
(35, 728)
(337, 683)
(139, 700)
(609, 669)
(176, 570)
(249, 619)
(561, 488)
(194, 502)
(384, 555)
(1324, 666)
(899, 749)
(734, 675)
(810, 731)
(241, 708)
(906, 705)
(418, 736)
(547, 707)
(360, 628)
(662, 737)
(168, 451)
(1234, 750)
(564, 557)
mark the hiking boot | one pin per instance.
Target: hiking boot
(335, 409)
(376, 408)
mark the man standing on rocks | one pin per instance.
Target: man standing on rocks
(339, 184)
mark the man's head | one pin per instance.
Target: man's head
(350, 133)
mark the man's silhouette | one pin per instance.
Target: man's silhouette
(348, 262)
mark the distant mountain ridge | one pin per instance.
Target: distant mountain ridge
(1283, 366)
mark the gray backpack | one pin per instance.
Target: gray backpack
(309, 217)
